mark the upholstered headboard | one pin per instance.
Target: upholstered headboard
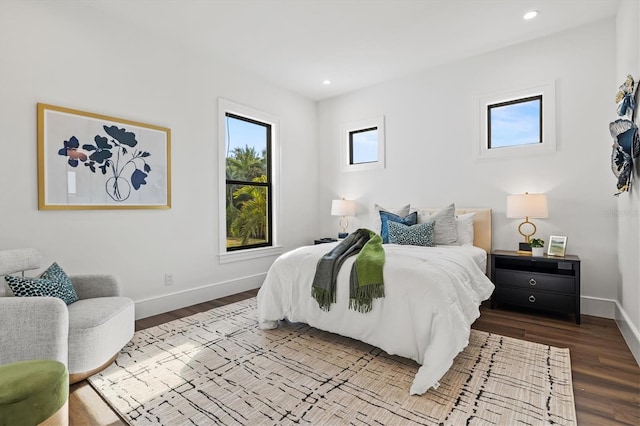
(481, 226)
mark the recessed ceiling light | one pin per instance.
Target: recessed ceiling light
(530, 15)
(326, 82)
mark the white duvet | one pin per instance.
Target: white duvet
(432, 296)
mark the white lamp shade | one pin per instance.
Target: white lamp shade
(527, 205)
(343, 208)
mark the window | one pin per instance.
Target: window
(518, 123)
(364, 145)
(513, 123)
(247, 140)
(248, 183)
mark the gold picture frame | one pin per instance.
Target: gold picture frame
(557, 246)
(93, 161)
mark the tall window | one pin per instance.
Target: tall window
(248, 182)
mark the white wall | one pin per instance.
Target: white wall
(68, 54)
(431, 126)
(628, 207)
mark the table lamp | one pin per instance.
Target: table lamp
(527, 206)
(343, 208)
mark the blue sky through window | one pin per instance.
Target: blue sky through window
(364, 146)
(515, 124)
(240, 133)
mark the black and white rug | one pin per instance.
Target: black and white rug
(217, 367)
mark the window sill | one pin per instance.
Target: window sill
(238, 256)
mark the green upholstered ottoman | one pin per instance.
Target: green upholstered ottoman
(32, 392)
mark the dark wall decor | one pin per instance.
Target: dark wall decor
(626, 140)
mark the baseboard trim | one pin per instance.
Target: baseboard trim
(169, 302)
(629, 331)
(598, 307)
(608, 308)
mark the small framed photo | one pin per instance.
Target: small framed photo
(557, 245)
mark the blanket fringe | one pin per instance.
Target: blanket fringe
(324, 297)
(362, 300)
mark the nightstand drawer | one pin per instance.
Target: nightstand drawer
(535, 299)
(534, 281)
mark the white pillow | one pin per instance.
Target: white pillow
(445, 227)
(464, 228)
(377, 223)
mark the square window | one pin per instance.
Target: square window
(514, 123)
(363, 147)
(517, 123)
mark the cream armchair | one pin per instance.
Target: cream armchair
(86, 335)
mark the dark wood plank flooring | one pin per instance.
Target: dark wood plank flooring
(606, 377)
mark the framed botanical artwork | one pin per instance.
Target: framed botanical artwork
(557, 246)
(92, 161)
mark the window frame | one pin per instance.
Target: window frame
(268, 185)
(545, 90)
(236, 110)
(349, 129)
(351, 135)
(511, 103)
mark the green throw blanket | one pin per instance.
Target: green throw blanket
(366, 282)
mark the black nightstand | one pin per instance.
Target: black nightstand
(324, 240)
(547, 283)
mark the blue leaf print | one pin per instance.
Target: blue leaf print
(102, 152)
(121, 135)
(102, 142)
(70, 150)
(71, 144)
(138, 178)
(100, 155)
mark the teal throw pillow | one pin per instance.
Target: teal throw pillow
(421, 234)
(53, 283)
(386, 217)
(55, 273)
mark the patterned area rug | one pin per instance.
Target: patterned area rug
(217, 367)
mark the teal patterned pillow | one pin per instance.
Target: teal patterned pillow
(53, 282)
(416, 235)
(55, 273)
(386, 217)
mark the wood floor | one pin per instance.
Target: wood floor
(606, 378)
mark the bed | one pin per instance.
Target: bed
(432, 296)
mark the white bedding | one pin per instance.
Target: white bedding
(432, 296)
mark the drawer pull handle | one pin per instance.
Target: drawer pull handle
(532, 298)
(532, 281)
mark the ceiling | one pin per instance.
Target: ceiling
(297, 44)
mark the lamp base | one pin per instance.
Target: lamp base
(524, 248)
(342, 235)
